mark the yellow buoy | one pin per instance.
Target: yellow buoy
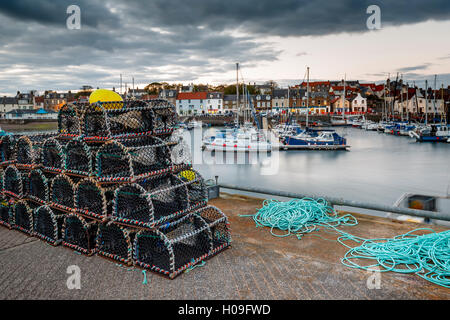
(103, 95)
(188, 175)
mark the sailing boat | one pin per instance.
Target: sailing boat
(341, 120)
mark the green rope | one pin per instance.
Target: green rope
(427, 254)
(145, 277)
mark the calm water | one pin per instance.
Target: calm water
(378, 168)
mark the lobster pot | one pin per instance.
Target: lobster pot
(132, 157)
(69, 119)
(28, 149)
(7, 149)
(78, 234)
(12, 182)
(165, 117)
(79, 157)
(90, 198)
(114, 242)
(218, 224)
(5, 213)
(195, 185)
(62, 191)
(53, 156)
(150, 202)
(48, 224)
(174, 247)
(38, 186)
(23, 217)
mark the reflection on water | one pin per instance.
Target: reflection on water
(378, 168)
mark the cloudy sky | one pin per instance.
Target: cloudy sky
(201, 40)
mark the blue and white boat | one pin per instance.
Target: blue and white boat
(432, 133)
(324, 138)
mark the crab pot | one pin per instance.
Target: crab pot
(12, 182)
(90, 198)
(62, 192)
(165, 117)
(48, 224)
(79, 158)
(174, 247)
(53, 156)
(38, 186)
(115, 242)
(195, 185)
(151, 201)
(79, 234)
(7, 149)
(23, 217)
(69, 119)
(218, 224)
(5, 213)
(132, 157)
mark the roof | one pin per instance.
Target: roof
(316, 83)
(229, 97)
(8, 100)
(214, 95)
(191, 95)
(30, 111)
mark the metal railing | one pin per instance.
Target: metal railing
(343, 202)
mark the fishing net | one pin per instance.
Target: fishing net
(48, 225)
(23, 217)
(12, 182)
(115, 242)
(196, 186)
(53, 155)
(28, 149)
(79, 234)
(175, 246)
(38, 186)
(62, 192)
(90, 198)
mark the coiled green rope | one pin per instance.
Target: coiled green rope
(427, 255)
(299, 216)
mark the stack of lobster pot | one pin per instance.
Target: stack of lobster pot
(112, 181)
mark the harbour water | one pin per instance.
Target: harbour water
(379, 168)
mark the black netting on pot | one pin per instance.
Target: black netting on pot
(219, 226)
(132, 157)
(196, 186)
(134, 116)
(79, 157)
(69, 119)
(150, 202)
(38, 186)
(165, 116)
(79, 234)
(5, 213)
(90, 198)
(132, 204)
(28, 149)
(7, 148)
(12, 181)
(174, 246)
(48, 224)
(94, 122)
(53, 155)
(23, 217)
(62, 191)
(114, 242)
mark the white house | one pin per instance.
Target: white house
(359, 103)
(190, 103)
(27, 114)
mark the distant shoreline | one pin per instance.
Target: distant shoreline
(30, 126)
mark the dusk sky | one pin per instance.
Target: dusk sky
(200, 41)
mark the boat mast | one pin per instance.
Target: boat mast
(307, 95)
(426, 102)
(407, 101)
(434, 96)
(237, 93)
(343, 98)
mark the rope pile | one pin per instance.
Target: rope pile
(427, 254)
